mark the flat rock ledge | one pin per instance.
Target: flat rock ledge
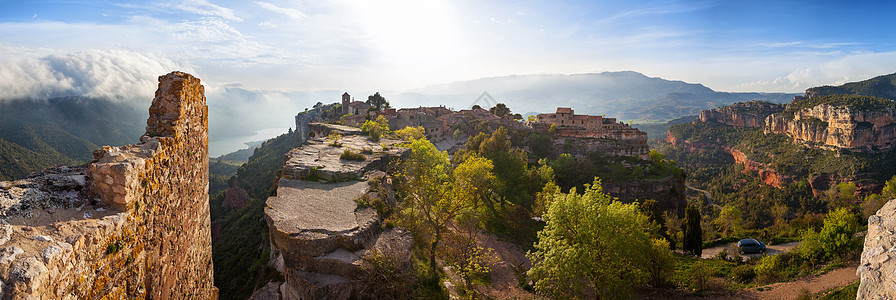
(319, 234)
(877, 270)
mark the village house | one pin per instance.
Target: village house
(351, 107)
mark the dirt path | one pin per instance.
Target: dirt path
(817, 284)
(770, 250)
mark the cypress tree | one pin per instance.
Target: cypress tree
(693, 234)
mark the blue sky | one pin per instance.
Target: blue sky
(402, 44)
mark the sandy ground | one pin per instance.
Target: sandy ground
(815, 285)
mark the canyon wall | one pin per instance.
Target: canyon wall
(133, 223)
(744, 114)
(838, 127)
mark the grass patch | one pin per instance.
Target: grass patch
(844, 293)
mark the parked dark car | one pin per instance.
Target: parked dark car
(750, 246)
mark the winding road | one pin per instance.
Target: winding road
(708, 198)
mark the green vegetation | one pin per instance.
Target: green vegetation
(846, 293)
(349, 155)
(376, 129)
(62, 131)
(590, 241)
(692, 231)
(867, 103)
(377, 102)
(883, 86)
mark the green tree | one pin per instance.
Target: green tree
(377, 102)
(473, 180)
(500, 110)
(426, 187)
(590, 241)
(657, 218)
(376, 129)
(693, 233)
(411, 133)
(729, 220)
(837, 233)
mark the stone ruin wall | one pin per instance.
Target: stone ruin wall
(155, 240)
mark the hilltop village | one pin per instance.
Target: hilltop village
(440, 123)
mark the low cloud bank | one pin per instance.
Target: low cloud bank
(117, 75)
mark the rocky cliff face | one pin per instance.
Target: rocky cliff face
(319, 233)
(877, 271)
(668, 192)
(133, 224)
(837, 127)
(744, 114)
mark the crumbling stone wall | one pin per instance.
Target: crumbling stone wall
(145, 228)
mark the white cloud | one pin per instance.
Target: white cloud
(292, 13)
(837, 71)
(203, 7)
(111, 74)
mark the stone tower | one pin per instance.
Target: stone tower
(346, 99)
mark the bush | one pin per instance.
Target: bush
(376, 129)
(767, 269)
(349, 155)
(743, 273)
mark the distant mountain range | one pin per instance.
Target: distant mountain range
(626, 95)
(35, 134)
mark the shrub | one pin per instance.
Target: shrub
(376, 129)
(743, 273)
(349, 155)
(333, 139)
(767, 269)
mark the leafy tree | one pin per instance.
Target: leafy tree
(473, 180)
(377, 102)
(411, 133)
(531, 118)
(657, 218)
(426, 187)
(693, 233)
(729, 220)
(376, 129)
(660, 264)
(500, 110)
(837, 233)
(590, 241)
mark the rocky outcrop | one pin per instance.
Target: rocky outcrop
(767, 175)
(743, 114)
(582, 147)
(668, 192)
(319, 231)
(134, 223)
(877, 271)
(838, 127)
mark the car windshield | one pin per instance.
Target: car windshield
(749, 243)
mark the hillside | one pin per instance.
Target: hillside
(626, 95)
(38, 134)
(883, 86)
